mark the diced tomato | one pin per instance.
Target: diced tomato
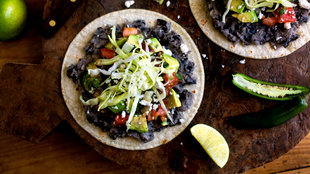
(129, 31)
(270, 21)
(119, 120)
(150, 117)
(160, 112)
(286, 15)
(281, 15)
(163, 118)
(171, 83)
(107, 53)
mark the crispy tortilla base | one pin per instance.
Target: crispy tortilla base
(76, 52)
(201, 13)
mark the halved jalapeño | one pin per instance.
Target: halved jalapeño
(267, 90)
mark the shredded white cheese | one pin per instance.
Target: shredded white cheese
(145, 103)
(115, 75)
(155, 106)
(260, 15)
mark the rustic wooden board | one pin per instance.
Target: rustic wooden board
(27, 107)
(248, 148)
(64, 152)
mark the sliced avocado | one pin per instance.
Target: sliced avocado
(173, 64)
(247, 17)
(237, 6)
(120, 42)
(133, 40)
(139, 124)
(173, 100)
(118, 108)
(155, 45)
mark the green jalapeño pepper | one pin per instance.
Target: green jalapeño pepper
(90, 83)
(268, 90)
(270, 117)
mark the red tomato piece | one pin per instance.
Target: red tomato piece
(107, 53)
(119, 120)
(129, 31)
(160, 112)
(170, 83)
(270, 21)
(286, 15)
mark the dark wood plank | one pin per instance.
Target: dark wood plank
(64, 152)
(21, 109)
(298, 157)
(61, 152)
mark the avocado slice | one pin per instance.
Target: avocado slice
(133, 40)
(173, 100)
(173, 64)
(139, 124)
(120, 42)
(247, 17)
(118, 108)
(237, 6)
(155, 45)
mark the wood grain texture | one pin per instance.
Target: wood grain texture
(61, 152)
(299, 157)
(249, 148)
(27, 106)
(64, 152)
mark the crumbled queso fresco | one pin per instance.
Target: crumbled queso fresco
(204, 56)
(168, 3)
(242, 61)
(167, 51)
(184, 48)
(129, 3)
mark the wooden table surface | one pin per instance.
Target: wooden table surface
(63, 151)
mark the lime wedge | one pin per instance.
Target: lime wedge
(212, 142)
(159, 1)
